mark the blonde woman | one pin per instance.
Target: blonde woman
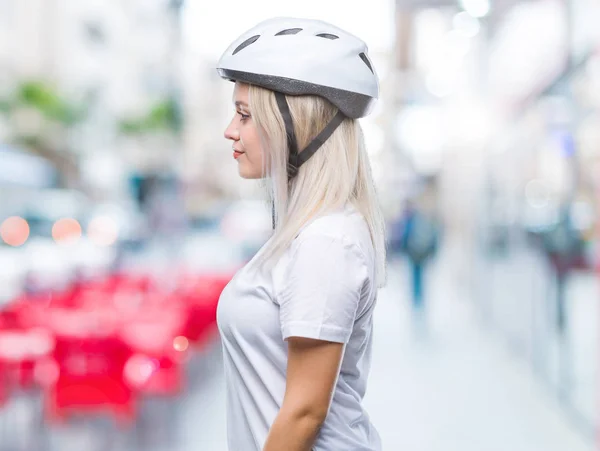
(297, 322)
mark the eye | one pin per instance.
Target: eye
(243, 116)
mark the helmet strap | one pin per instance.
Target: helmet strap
(317, 142)
(297, 159)
(284, 109)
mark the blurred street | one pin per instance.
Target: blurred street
(462, 387)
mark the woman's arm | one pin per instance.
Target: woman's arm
(312, 371)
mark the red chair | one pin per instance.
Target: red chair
(90, 380)
(90, 361)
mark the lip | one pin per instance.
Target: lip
(237, 154)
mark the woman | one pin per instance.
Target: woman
(296, 322)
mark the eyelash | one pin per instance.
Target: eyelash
(244, 116)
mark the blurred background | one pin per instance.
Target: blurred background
(122, 218)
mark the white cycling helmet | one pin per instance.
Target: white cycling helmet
(304, 57)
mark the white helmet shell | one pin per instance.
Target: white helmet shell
(305, 56)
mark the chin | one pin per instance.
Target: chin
(250, 175)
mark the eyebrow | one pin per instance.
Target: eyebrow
(240, 103)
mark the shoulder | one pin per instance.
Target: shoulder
(332, 243)
(336, 244)
(345, 228)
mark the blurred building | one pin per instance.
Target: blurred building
(116, 58)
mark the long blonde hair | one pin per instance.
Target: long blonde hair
(338, 173)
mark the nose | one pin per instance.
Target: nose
(231, 132)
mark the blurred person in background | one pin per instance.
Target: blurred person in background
(297, 321)
(420, 242)
(564, 246)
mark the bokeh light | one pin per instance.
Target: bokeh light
(139, 368)
(66, 230)
(180, 344)
(103, 231)
(14, 231)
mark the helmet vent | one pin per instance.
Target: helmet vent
(289, 31)
(328, 36)
(366, 61)
(246, 43)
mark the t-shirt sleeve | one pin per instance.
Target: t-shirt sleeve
(321, 289)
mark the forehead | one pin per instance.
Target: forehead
(240, 93)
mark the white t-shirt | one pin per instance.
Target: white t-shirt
(322, 288)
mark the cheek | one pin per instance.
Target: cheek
(251, 142)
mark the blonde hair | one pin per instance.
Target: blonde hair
(338, 173)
